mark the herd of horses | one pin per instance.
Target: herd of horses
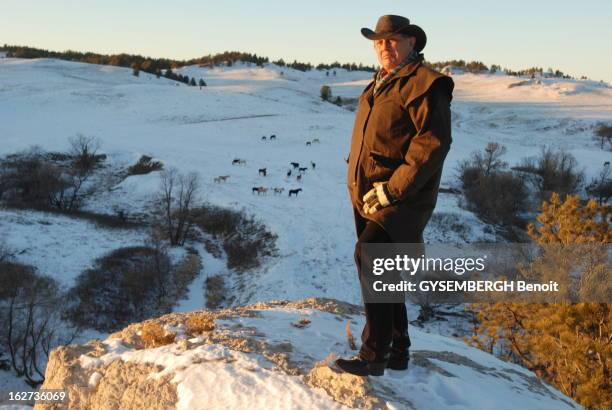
(261, 190)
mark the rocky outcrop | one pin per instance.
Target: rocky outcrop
(278, 352)
(92, 384)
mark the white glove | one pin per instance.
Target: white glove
(377, 198)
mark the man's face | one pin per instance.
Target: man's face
(391, 51)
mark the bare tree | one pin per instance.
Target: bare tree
(30, 314)
(604, 133)
(490, 160)
(601, 187)
(162, 267)
(553, 171)
(83, 160)
(177, 195)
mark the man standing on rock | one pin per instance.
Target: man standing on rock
(401, 136)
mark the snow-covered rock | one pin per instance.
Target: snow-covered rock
(279, 355)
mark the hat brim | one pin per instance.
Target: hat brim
(410, 30)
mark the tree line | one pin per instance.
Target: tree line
(479, 66)
(228, 58)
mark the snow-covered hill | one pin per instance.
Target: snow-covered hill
(44, 102)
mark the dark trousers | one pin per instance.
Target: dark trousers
(386, 327)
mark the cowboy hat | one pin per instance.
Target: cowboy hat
(389, 25)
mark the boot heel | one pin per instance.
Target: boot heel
(377, 368)
(397, 364)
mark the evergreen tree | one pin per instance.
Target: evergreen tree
(326, 92)
(565, 343)
(135, 69)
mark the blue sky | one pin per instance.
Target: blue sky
(572, 36)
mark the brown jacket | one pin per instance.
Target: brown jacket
(402, 136)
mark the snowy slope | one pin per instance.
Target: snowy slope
(203, 130)
(45, 101)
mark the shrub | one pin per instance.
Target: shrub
(553, 171)
(130, 284)
(603, 133)
(198, 323)
(217, 221)
(28, 178)
(36, 179)
(246, 241)
(246, 247)
(326, 93)
(126, 285)
(481, 177)
(145, 165)
(214, 289)
(154, 335)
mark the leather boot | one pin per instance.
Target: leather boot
(362, 367)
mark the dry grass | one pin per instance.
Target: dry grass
(154, 335)
(350, 337)
(197, 324)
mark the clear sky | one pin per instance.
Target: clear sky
(573, 36)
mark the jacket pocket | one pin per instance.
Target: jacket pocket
(381, 167)
(386, 161)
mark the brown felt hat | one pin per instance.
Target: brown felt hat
(389, 25)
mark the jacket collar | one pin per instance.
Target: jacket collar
(405, 71)
(408, 68)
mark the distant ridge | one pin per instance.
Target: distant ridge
(156, 65)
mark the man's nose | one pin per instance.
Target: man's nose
(386, 43)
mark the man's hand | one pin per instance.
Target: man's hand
(377, 198)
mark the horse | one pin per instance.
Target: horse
(294, 191)
(221, 178)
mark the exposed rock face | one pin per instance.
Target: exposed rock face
(119, 385)
(345, 388)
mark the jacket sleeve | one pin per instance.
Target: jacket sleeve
(431, 117)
